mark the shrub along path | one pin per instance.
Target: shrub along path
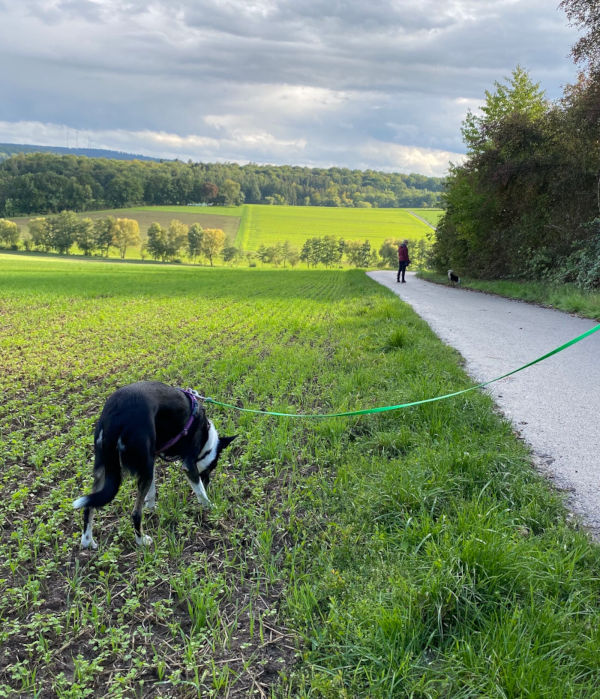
(554, 405)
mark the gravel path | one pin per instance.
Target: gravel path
(554, 405)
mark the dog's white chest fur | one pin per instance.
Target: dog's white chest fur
(209, 451)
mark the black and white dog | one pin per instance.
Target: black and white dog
(139, 422)
(453, 278)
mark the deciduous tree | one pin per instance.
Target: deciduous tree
(195, 234)
(230, 253)
(62, 231)
(127, 232)
(518, 95)
(39, 233)
(585, 14)
(156, 243)
(330, 252)
(84, 236)
(9, 233)
(495, 201)
(359, 254)
(213, 241)
(104, 234)
(177, 236)
(230, 193)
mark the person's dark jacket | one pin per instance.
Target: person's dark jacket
(403, 254)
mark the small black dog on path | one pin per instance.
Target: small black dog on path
(139, 422)
(453, 278)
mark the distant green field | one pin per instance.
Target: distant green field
(252, 225)
(266, 225)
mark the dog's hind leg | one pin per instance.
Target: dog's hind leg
(141, 539)
(150, 500)
(87, 538)
(136, 454)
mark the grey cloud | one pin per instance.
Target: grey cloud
(382, 47)
(330, 75)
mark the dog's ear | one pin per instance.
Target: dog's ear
(224, 442)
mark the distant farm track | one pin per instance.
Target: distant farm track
(429, 217)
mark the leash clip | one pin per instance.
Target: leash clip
(198, 396)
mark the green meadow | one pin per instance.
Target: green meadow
(267, 225)
(252, 225)
(413, 553)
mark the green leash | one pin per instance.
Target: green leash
(386, 408)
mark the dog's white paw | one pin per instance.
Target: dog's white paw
(200, 493)
(87, 542)
(143, 540)
(150, 504)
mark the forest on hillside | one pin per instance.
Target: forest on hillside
(526, 202)
(41, 183)
(9, 149)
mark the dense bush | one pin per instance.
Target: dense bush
(583, 266)
(524, 202)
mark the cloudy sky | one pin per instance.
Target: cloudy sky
(380, 84)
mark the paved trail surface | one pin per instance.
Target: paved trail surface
(553, 405)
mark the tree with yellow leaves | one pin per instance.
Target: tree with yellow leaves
(212, 243)
(126, 233)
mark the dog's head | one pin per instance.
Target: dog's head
(208, 456)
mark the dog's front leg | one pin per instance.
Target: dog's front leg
(198, 487)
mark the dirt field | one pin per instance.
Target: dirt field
(229, 224)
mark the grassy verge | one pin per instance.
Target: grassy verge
(407, 554)
(565, 297)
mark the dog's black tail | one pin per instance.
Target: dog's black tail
(101, 497)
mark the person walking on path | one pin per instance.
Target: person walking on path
(403, 260)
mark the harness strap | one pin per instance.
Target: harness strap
(195, 406)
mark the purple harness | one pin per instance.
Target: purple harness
(194, 414)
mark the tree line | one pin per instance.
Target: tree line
(32, 183)
(526, 202)
(61, 232)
